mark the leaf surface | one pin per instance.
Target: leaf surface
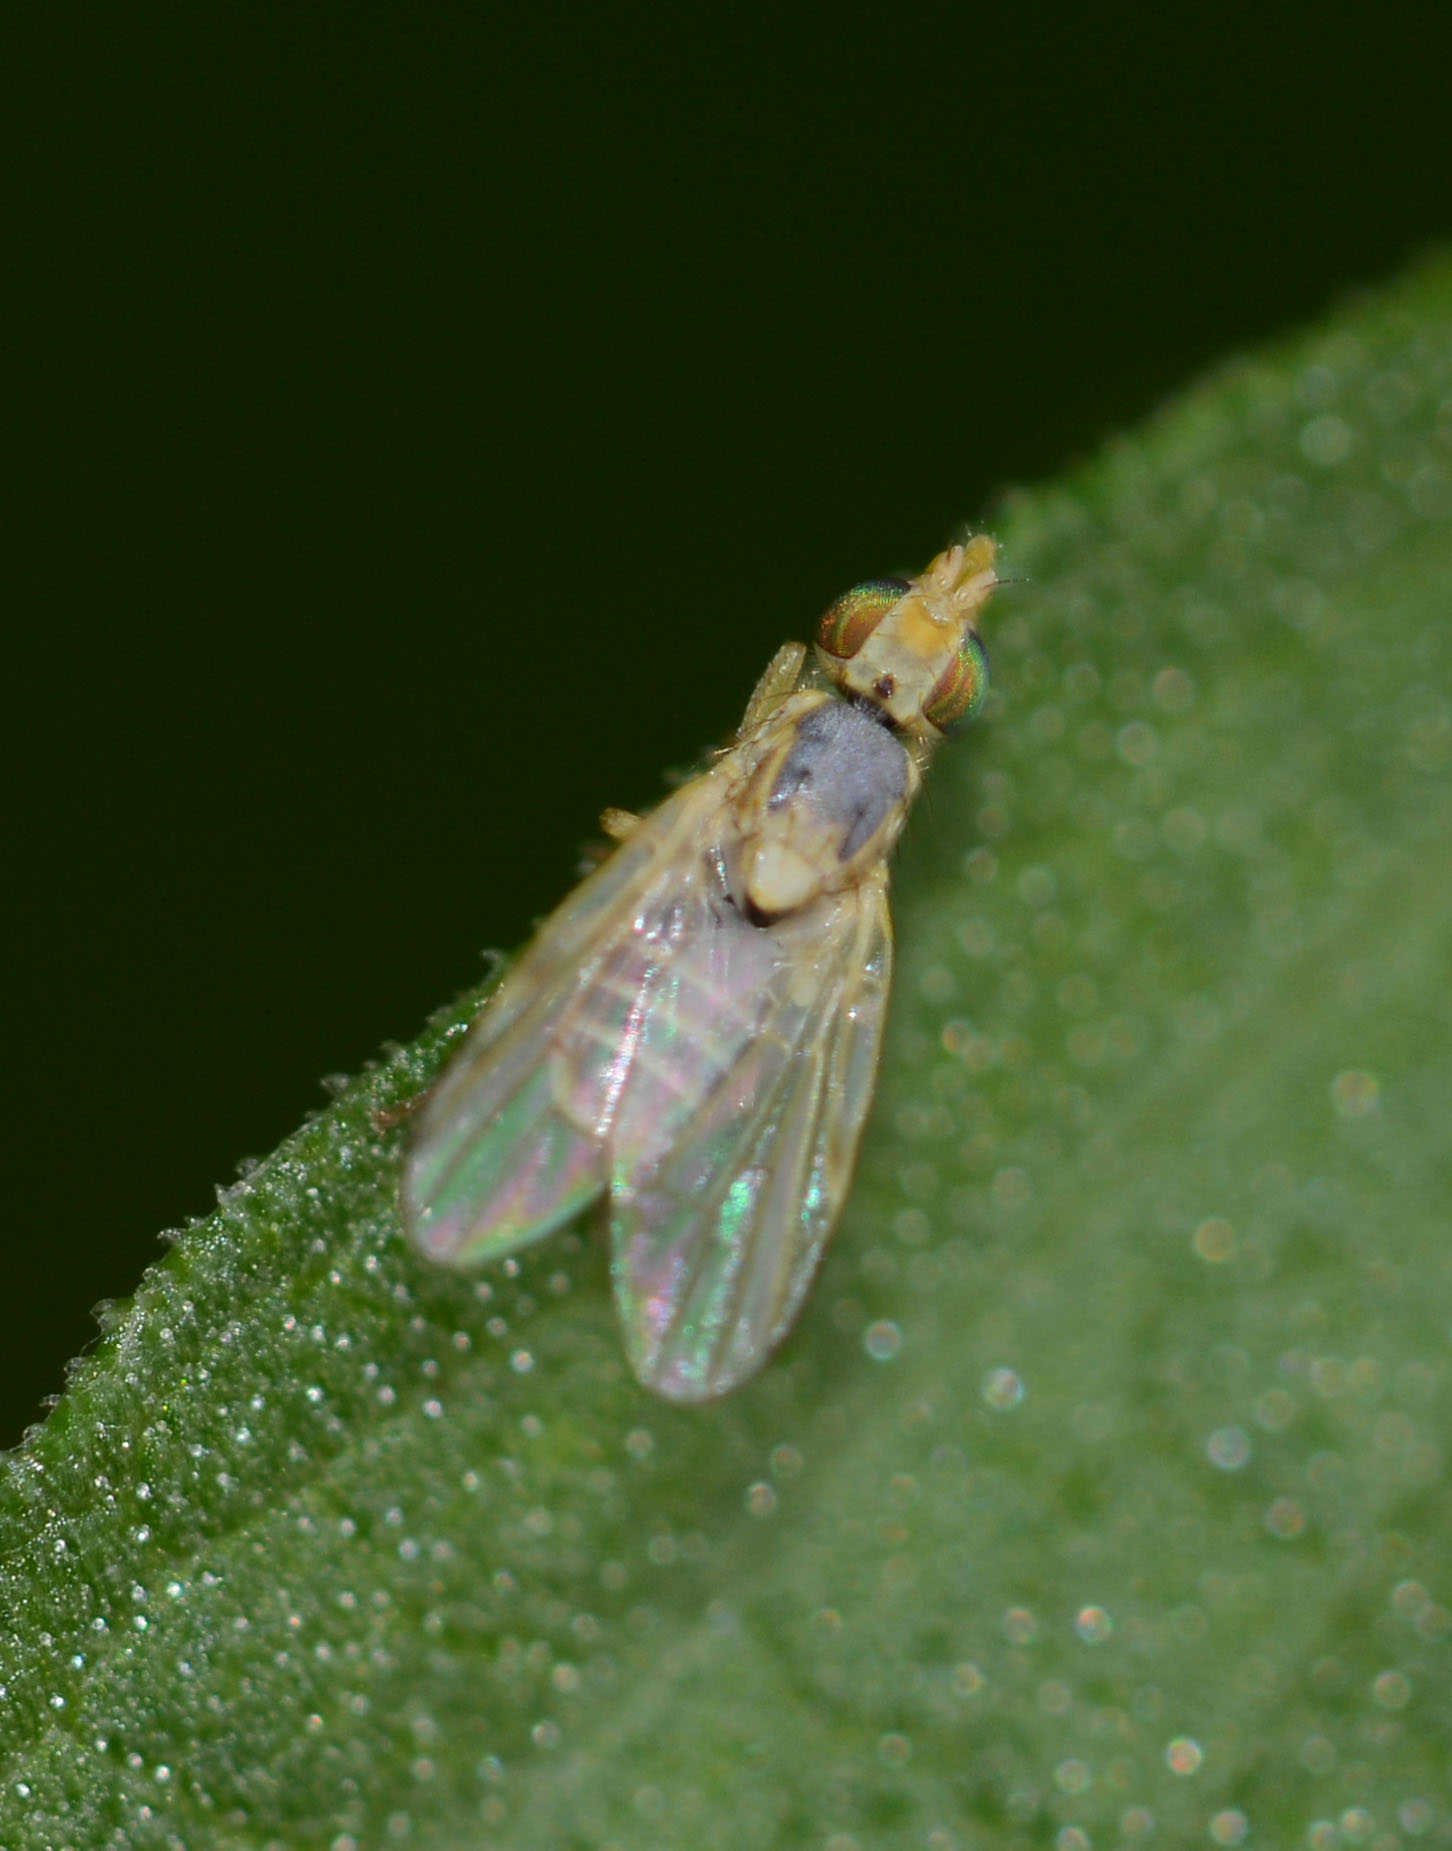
(1102, 1487)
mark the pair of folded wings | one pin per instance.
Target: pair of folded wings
(709, 1075)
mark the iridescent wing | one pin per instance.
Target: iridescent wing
(502, 1152)
(717, 1231)
(710, 1073)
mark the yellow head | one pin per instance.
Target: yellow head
(911, 646)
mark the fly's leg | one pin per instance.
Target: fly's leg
(780, 679)
(619, 825)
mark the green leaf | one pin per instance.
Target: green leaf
(1102, 1490)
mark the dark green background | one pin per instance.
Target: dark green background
(421, 424)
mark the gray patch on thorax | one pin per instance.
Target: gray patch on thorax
(848, 768)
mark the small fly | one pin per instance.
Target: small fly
(693, 1034)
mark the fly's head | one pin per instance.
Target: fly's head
(910, 647)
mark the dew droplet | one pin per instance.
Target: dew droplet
(1003, 1390)
(882, 1340)
(1229, 1448)
(1093, 1625)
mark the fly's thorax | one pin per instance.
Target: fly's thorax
(824, 802)
(911, 646)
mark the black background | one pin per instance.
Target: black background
(421, 424)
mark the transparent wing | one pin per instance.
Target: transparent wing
(511, 1142)
(717, 1233)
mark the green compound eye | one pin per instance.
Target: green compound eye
(849, 622)
(959, 692)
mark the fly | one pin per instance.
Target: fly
(693, 1034)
